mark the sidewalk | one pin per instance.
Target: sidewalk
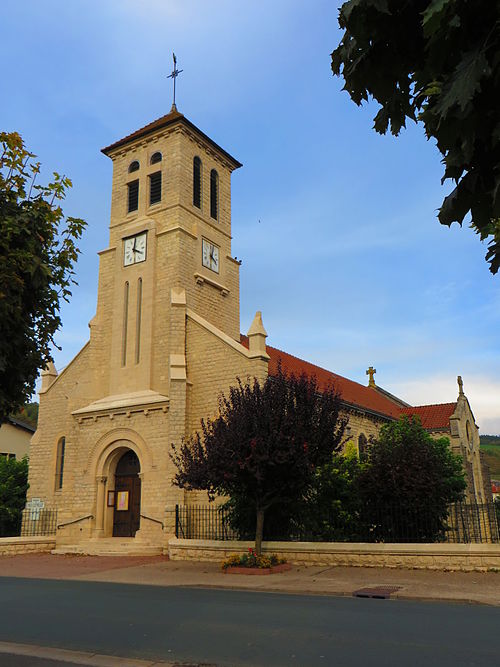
(478, 587)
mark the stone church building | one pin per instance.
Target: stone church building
(164, 342)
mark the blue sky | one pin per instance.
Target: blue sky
(335, 224)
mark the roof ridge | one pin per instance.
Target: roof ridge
(430, 405)
(326, 370)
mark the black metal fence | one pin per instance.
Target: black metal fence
(464, 523)
(29, 523)
(39, 522)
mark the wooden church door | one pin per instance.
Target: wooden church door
(126, 517)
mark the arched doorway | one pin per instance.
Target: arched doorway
(127, 510)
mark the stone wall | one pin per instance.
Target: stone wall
(10, 546)
(463, 557)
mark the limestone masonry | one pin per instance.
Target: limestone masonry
(165, 342)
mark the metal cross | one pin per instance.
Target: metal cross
(174, 75)
(371, 372)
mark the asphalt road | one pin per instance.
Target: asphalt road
(236, 628)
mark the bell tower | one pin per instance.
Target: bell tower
(170, 229)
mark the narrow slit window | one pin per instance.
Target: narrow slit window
(134, 166)
(138, 322)
(125, 324)
(155, 188)
(133, 195)
(197, 182)
(155, 158)
(61, 446)
(214, 194)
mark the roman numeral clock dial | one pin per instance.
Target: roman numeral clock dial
(134, 249)
(210, 256)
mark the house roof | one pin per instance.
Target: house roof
(358, 395)
(165, 121)
(352, 393)
(432, 416)
(21, 424)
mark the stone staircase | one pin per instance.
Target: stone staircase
(111, 546)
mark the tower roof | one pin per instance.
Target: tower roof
(172, 118)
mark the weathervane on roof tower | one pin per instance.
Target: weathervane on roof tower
(174, 75)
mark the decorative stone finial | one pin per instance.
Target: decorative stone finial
(371, 372)
(257, 336)
(48, 374)
(460, 386)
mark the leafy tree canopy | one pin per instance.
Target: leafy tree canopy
(28, 414)
(438, 62)
(265, 445)
(37, 254)
(418, 475)
(13, 488)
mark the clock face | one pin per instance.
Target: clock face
(210, 256)
(134, 249)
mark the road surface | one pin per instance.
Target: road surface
(243, 629)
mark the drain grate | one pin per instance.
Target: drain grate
(378, 592)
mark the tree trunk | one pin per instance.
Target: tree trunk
(259, 531)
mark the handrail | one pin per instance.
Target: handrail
(68, 523)
(150, 518)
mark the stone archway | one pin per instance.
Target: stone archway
(105, 460)
(127, 496)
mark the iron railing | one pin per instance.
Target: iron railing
(38, 523)
(465, 523)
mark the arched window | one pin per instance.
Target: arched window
(61, 446)
(197, 171)
(133, 166)
(156, 157)
(362, 442)
(214, 195)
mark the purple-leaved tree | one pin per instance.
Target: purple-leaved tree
(265, 444)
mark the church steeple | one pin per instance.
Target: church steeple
(170, 228)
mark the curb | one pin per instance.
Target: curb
(85, 658)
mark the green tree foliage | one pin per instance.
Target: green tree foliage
(331, 510)
(413, 477)
(13, 488)
(438, 62)
(28, 414)
(37, 255)
(265, 446)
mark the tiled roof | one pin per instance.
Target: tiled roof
(351, 392)
(432, 416)
(160, 123)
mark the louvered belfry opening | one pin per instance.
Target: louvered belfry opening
(214, 195)
(155, 158)
(155, 187)
(197, 182)
(133, 195)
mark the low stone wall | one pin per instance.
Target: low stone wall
(9, 546)
(464, 557)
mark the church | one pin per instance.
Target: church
(164, 343)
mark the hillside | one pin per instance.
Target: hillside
(490, 446)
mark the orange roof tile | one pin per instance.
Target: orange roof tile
(169, 119)
(432, 416)
(351, 392)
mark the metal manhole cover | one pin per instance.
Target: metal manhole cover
(378, 592)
